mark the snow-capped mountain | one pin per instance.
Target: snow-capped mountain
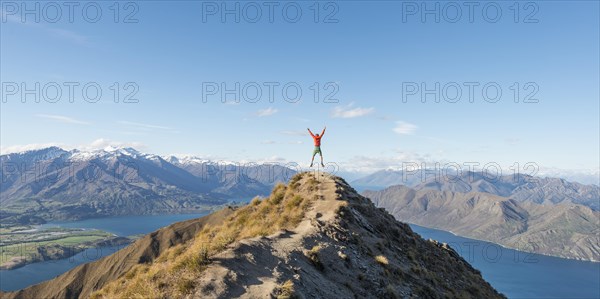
(34, 155)
(266, 174)
(54, 183)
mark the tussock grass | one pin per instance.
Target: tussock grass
(255, 201)
(286, 290)
(277, 194)
(185, 286)
(382, 260)
(313, 256)
(173, 274)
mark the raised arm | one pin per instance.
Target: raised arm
(323, 133)
(311, 133)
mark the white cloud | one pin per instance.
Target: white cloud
(583, 176)
(349, 112)
(302, 119)
(276, 142)
(512, 141)
(384, 118)
(142, 125)
(365, 164)
(404, 128)
(64, 34)
(390, 159)
(269, 160)
(103, 143)
(266, 112)
(63, 119)
(231, 102)
(294, 133)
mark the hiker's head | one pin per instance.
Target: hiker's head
(317, 134)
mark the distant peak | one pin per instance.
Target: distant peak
(123, 150)
(44, 153)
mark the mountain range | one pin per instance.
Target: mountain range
(58, 184)
(388, 177)
(543, 215)
(313, 238)
(541, 190)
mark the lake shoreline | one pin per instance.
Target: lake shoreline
(503, 246)
(62, 252)
(518, 274)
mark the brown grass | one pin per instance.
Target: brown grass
(174, 272)
(286, 290)
(313, 256)
(382, 260)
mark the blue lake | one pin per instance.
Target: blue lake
(519, 274)
(126, 225)
(514, 273)
(31, 274)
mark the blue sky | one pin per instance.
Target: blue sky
(368, 55)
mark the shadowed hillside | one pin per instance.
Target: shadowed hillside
(521, 187)
(564, 229)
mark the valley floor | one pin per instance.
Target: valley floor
(21, 245)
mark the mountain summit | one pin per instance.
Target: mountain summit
(313, 238)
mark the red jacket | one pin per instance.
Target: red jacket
(317, 139)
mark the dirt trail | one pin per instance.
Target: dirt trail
(253, 268)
